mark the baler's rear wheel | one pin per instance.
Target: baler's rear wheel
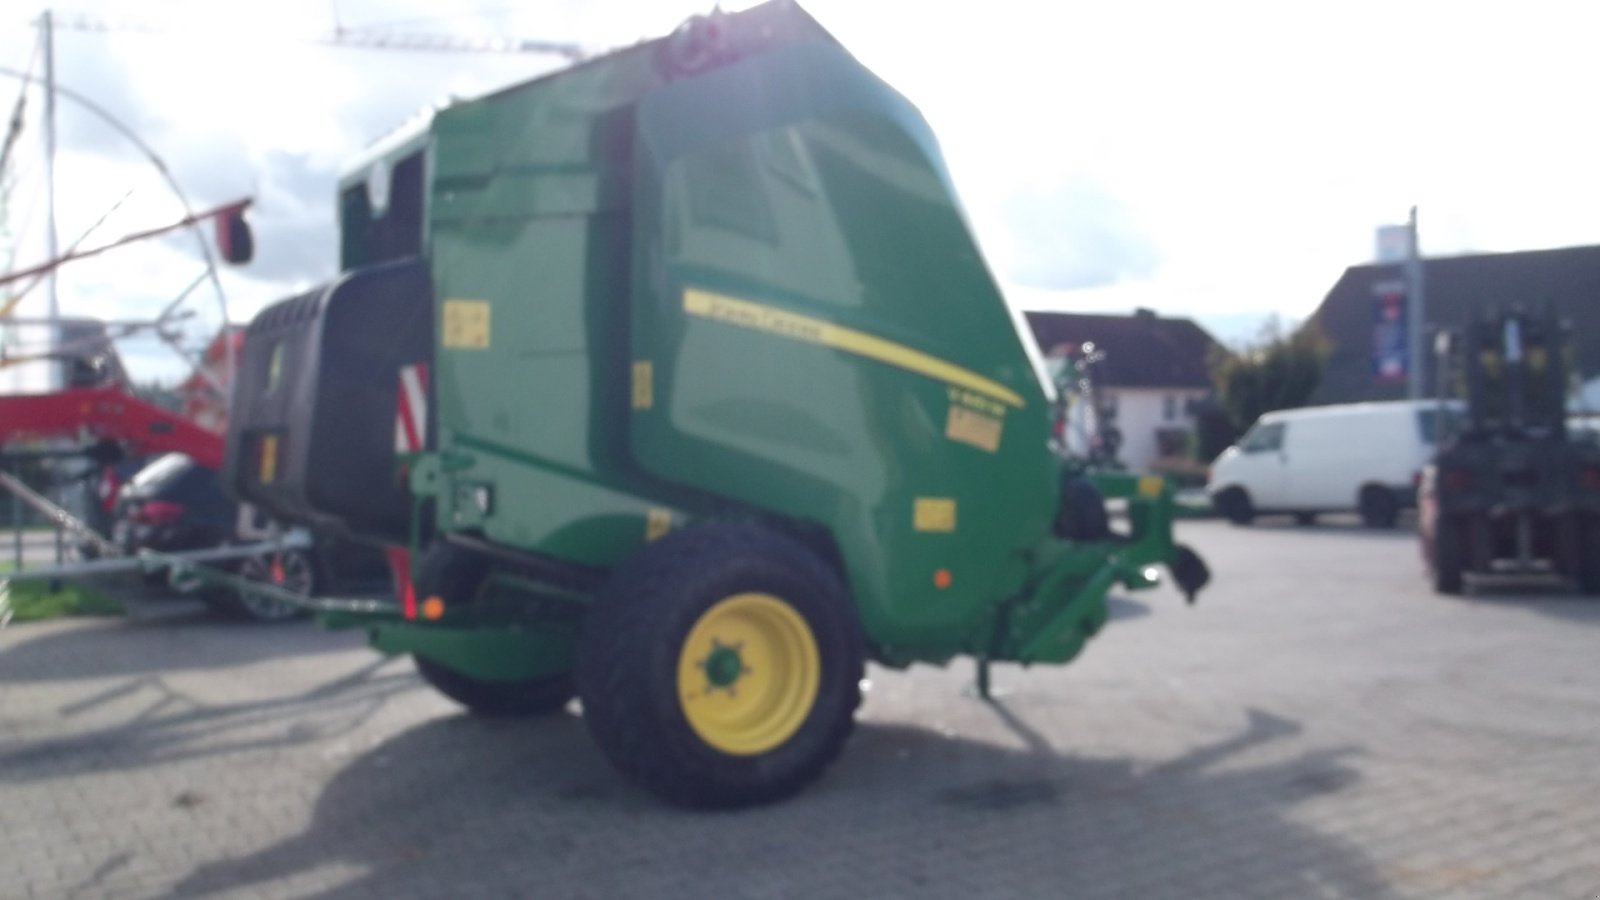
(530, 697)
(455, 576)
(721, 666)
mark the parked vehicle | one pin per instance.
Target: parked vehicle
(1362, 457)
(174, 504)
(1515, 487)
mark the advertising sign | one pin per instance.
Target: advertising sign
(1394, 243)
(1389, 356)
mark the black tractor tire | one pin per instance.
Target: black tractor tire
(1378, 507)
(494, 699)
(1234, 505)
(455, 575)
(1589, 555)
(301, 573)
(451, 573)
(1081, 514)
(1447, 556)
(638, 671)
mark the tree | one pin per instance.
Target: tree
(1277, 370)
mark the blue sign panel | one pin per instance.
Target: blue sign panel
(1389, 356)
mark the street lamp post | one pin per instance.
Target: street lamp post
(1415, 318)
(52, 248)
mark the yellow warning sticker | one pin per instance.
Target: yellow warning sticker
(1150, 485)
(934, 514)
(269, 459)
(643, 385)
(466, 324)
(975, 428)
(657, 522)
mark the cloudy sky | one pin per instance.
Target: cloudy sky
(1222, 160)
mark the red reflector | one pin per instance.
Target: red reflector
(400, 572)
(1591, 478)
(157, 512)
(1458, 479)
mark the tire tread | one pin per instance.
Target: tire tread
(620, 647)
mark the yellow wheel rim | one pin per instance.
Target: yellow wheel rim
(748, 674)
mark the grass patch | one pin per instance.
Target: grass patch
(33, 600)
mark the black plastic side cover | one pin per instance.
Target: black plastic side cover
(312, 430)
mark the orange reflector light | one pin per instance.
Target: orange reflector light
(941, 578)
(432, 608)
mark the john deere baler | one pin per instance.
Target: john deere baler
(683, 378)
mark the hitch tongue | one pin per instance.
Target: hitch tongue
(1189, 571)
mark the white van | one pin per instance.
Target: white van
(1355, 456)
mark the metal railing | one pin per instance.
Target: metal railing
(187, 571)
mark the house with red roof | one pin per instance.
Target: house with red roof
(1154, 378)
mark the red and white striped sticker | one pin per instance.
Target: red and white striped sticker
(411, 414)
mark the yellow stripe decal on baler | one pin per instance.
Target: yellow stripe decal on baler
(759, 317)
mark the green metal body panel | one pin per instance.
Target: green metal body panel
(1151, 511)
(792, 189)
(748, 291)
(1063, 608)
(514, 629)
(529, 215)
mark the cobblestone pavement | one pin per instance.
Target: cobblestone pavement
(1320, 725)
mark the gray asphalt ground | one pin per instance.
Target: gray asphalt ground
(1320, 725)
